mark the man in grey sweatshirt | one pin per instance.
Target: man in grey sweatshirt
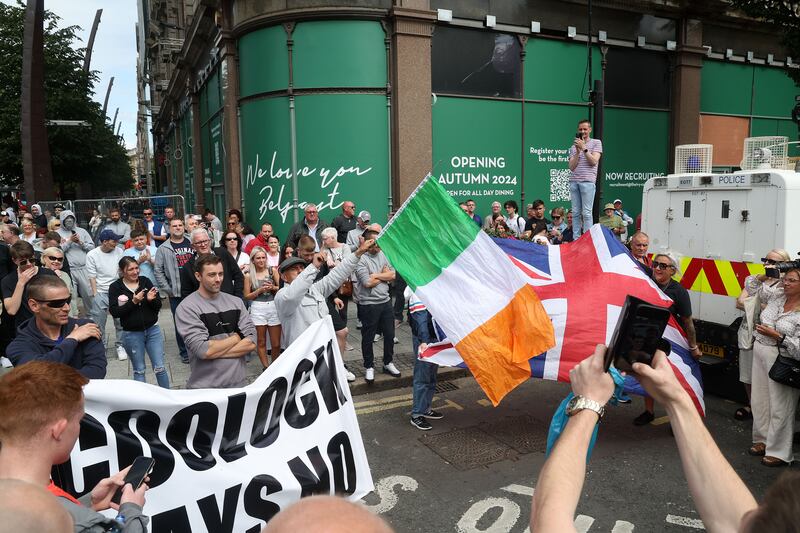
(375, 307)
(76, 243)
(217, 330)
(118, 226)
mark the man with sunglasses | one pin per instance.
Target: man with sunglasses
(51, 335)
(664, 267)
(153, 226)
(14, 286)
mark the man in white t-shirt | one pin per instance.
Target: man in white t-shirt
(102, 268)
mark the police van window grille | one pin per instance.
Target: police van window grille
(687, 208)
(726, 208)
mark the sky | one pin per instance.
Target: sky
(114, 52)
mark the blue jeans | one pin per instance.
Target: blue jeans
(99, 315)
(173, 304)
(152, 341)
(424, 383)
(582, 195)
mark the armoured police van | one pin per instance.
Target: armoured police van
(719, 226)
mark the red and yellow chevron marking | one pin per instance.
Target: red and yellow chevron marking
(715, 276)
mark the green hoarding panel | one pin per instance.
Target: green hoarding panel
(762, 127)
(773, 93)
(348, 53)
(635, 148)
(556, 71)
(263, 61)
(266, 162)
(477, 149)
(342, 154)
(549, 132)
(725, 88)
(217, 150)
(212, 86)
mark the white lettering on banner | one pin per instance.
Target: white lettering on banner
(550, 155)
(477, 162)
(630, 176)
(229, 459)
(275, 197)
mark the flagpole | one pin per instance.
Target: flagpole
(403, 206)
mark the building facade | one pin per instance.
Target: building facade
(275, 103)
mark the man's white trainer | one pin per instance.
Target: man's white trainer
(391, 370)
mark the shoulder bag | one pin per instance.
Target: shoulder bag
(786, 371)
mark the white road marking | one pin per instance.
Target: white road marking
(583, 523)
(384, 489)
(622, 526)
(519, 489)
(509, 515)
(685, 521)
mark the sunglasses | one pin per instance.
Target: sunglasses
(661, 266)
(26, 261)
(768, 261)
(231, 239)
(56, 304)
(556, 217)
(147, 214)
(52, 258)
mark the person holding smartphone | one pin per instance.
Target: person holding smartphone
(135, 302)
(584, 155)
(260, 285)
(39, 430)
(774, 404)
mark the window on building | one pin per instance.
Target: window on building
(475, 63)
(637, 78)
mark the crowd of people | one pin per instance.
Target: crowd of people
(232, 292)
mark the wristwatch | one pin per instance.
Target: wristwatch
(579, 403)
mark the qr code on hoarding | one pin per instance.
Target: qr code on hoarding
(559, 185)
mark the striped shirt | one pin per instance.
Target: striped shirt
(584, 171)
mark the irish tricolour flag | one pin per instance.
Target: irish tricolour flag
(479, 298)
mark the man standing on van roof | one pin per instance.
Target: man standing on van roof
(584, 155)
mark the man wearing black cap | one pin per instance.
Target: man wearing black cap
(102, 268)
(301, 301)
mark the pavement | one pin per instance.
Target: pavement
(179, 372)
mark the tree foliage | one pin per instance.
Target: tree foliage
(785, 15)
(90, 156)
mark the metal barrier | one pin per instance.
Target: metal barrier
(48, 207)
(131, 208)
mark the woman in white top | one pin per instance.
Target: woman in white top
(273, 251)
(233, 243)
(337, 252)
(260, 285)
(28, 229)
(53, 258)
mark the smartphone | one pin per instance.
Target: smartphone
(142, 466)
(73, 232)
(638, 334)
(578, 135)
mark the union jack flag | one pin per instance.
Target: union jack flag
(583, 286)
